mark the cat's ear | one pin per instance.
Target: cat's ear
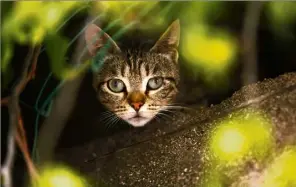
(168, 43)
(96, 38)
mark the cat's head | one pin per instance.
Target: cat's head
(136, 85)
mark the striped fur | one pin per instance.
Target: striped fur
(135, 68)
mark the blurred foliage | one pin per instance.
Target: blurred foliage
(209, 52)
(126, 11)
(282, 15)
(57, 55)
(29, 22)
(202, 11)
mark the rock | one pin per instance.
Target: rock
(180, 152)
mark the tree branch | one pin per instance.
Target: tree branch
(22, 143)
(27, 76)
(14, 116)
(249, 38)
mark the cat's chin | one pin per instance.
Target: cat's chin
(138, 121)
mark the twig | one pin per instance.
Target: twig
(22, 143)
(249, 37)
(21, 133)
(29, 76)
(8, 163)
(14, 114)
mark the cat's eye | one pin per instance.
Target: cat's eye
(155, 83)
(116, 85)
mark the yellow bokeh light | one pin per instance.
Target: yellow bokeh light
(231, 141)
(241, 135)
(282, 172)
(59, 177)
(211, 52)
(282, 12)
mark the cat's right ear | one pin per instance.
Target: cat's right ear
(168, 43)
(96, 38)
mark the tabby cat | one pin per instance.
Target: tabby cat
(136, 86)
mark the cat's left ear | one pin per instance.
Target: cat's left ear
(96, 38)
(168, 43)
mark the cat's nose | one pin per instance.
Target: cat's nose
(136, 100)
(136, 106)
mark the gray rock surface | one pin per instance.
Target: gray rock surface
(175, 152)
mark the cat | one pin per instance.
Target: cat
(136, 86)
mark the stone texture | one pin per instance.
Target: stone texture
(174, 152)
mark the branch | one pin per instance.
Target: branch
(14, 115)
(26, 76)
(249, 37)
(22, 143)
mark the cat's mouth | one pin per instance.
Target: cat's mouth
(138, 120)
(137, 117)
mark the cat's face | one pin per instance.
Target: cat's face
(137, 85)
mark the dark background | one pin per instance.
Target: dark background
(276, 55)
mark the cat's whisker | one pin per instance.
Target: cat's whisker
(177, 107)
(169, 111)
(107, 119)
(106, 112)
(113, 121)
(157, 118)
(117, 120)
(105, 116)
(162, 118)
(109, 125)
(103, 119)
(164, 115)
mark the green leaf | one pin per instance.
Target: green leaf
(7, 52)
(56, 48)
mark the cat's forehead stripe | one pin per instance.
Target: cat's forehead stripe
(122, 70)
(135, 67)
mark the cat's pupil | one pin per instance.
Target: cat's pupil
(116, 85)
(155, 83)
